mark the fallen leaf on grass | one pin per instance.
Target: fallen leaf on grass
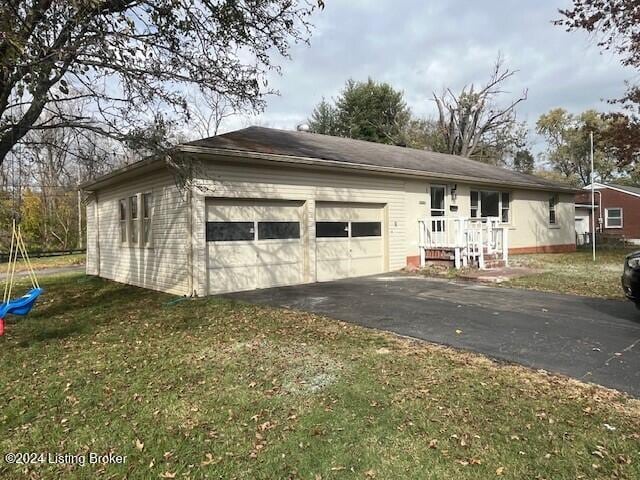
(139, 444)
(433, 443)
(168, 475)
(500, 471)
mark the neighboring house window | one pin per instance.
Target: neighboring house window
(147, 226)
(488, 203)
(123, 220)
(553, 203)
(133, 220)
(613, 218)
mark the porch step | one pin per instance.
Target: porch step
(494, 263)
(440, 254)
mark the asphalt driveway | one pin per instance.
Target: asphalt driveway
(589, 339)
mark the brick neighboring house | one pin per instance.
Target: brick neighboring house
(617, 209)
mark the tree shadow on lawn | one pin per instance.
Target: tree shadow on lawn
(73, 310)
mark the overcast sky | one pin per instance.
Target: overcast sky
(420, 46)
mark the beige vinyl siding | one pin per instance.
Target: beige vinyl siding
(92, 238)
(308, 185)
(530, 220)
(162, 266)
(529, 213)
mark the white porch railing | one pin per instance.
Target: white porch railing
(470, 239)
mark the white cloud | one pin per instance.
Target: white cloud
(422, 46)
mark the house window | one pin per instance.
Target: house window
(613, 218)
(505, 203)
(133, 220)
(553, 203)
(123, 219)
(230, 231)
(489, 203)
(366, 229)
(278, 230)
(146, 218)
(475, 203)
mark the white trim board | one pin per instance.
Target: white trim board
(602, 186)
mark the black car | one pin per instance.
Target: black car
(631, 278)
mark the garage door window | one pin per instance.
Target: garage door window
(366, 229)
(278, 230)
(332, 229)
(230, 231)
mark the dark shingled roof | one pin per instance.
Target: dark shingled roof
(349, 151)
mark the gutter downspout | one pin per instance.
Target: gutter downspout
(190, 256)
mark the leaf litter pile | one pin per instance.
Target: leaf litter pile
(208, 388)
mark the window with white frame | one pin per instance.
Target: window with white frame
(490, 203)
(135, 217)
(613, 218)
(133, 220)
(553, 203)
(147, 212)
(122, 207)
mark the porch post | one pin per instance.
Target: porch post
(421, 242)
(481, 251)
(505, 246)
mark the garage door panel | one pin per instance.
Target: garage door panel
(280, 253)
(366, 247)
(361, 252)
(232, 255)
(279, 275)
(231, 279)
(332, 249)
(357, 212)
(271, 256)
(328, 270)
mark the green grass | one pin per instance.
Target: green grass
(48, 262)
(574, 273)
(210, 388)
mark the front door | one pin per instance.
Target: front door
(437, 207)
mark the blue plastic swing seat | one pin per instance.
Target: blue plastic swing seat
(22, 305)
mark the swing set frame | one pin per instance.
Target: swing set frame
(22, 305)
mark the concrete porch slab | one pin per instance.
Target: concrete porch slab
(498, 275)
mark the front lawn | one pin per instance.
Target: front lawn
(575, 272)
(210, 388)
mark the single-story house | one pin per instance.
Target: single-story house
(617, 212)
(261, 207)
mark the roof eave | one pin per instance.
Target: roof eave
(333, 164)
(140, 167)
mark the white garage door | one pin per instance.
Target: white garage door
(349, 240)
(253, 244)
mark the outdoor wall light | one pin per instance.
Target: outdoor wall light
(454, 192)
